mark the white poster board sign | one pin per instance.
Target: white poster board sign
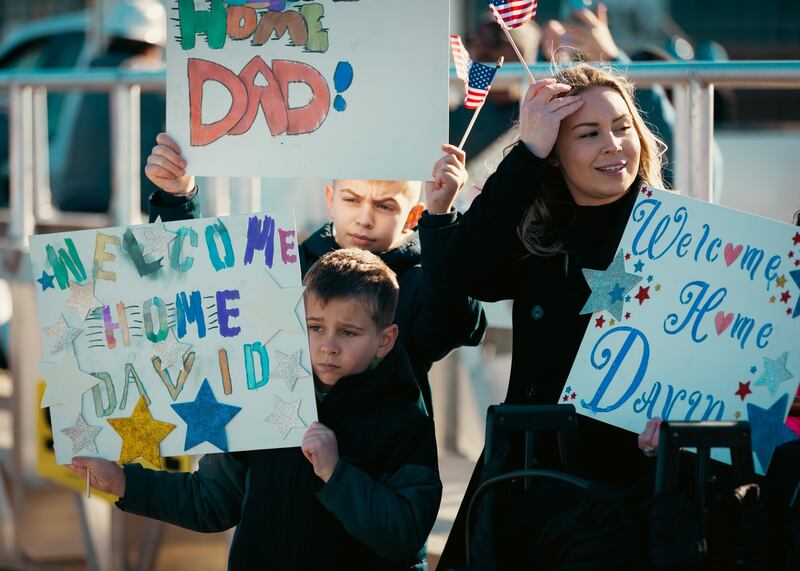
(169, 339)
(325, 89)
(697, 318)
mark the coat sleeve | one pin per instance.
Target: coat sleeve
(171, 208)
(394, 513)
(444, 317)
(482, 254)
(208, 500)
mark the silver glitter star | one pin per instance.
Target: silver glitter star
(82, 435)
(287, 367)
(155, 238)
(286, 416)
(171, 352)
(61, 335)
(66, 383)
(274, 306)
(775, 373)
(82, 298)
(609, 287)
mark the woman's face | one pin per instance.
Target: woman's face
(598, 148)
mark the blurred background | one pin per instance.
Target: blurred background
(82, 98)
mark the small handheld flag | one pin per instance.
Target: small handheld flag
(503, 23)
(477, 77)
(514, 13)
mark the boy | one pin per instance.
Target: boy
(362, 492)
(382, 217)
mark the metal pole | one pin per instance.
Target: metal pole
(125, 145)
(702, 126)
(42, 195)
(681, 140)
(22, 222)
(245, 196)
(217, 201)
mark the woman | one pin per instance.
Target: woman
(559, 202)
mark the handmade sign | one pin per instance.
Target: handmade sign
(168, 339)
(697, 318)
(280, 88)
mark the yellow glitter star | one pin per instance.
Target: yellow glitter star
(613, 322)
(658, 287)
(141, 435)
(772, 299)
(738, 415)
(781, 281)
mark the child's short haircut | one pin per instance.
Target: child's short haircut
(353, 273)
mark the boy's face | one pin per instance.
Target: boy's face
(373, 215)
(344, 338)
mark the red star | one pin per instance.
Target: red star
(627, 315)
(644, 293)
(599, 322)
(573, 396)
(744, 390)
(628, 256)
(566, 398)
(644, 191)
(796, 239)
(785, 296)
(797, 263)
(788, 311)
(791, 254)
(650, 194)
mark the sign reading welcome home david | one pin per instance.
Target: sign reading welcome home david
(697, 318)
(169, 339)
(320, 89)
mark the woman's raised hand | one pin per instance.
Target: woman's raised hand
(542, 113)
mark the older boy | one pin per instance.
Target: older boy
(386, 218)
(364, 489)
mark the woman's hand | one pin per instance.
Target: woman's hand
(542, 113)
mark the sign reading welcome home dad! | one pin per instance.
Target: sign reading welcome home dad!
(697, 318)
(325, 89)
(168, 339)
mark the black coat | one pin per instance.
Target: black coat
(374, 513)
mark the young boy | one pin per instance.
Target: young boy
(386, 218)
(363, 490)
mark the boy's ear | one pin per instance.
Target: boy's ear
(329, 198)
(387, 340)
(414, 216)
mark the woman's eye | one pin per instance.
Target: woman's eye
(623, 128)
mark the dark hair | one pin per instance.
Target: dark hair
(351, 273)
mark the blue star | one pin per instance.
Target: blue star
(768, 429)
(206, 419)
(795, 274)
(568, 390)
(603, 285)
(627, 299)
(47, 281)
(753, 370)
(638, 267)
(649, 279)
(617, 294)
(775, 373)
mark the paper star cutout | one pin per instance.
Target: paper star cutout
(286, 416)
(82, 298)
(603, 283)
(171, 352)
(61, 335)
(66, 383)
(46, 281)
(796, 239)
(638, 267)
(155, 238)
(141, 435)
(274, 307)
(599, 322)
(775, 373)
(287, 367)
(644, 293)
(795, 275)
(786, 296)
(744, 390)
(83, 435)
(617, 293)
(206, 419)
(768, 429)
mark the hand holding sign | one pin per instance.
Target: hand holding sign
(166, 167)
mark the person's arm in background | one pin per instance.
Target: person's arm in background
(176, 198)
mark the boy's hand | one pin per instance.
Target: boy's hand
(165, 167)
(105, 476)
(648, 440)
(320, 448)
(449, 176)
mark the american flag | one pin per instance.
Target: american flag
(460, 57)
(480, 80)
(514, 13)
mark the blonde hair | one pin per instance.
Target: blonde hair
(583, 77)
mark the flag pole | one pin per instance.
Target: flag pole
(502, 24)
(476, 113)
